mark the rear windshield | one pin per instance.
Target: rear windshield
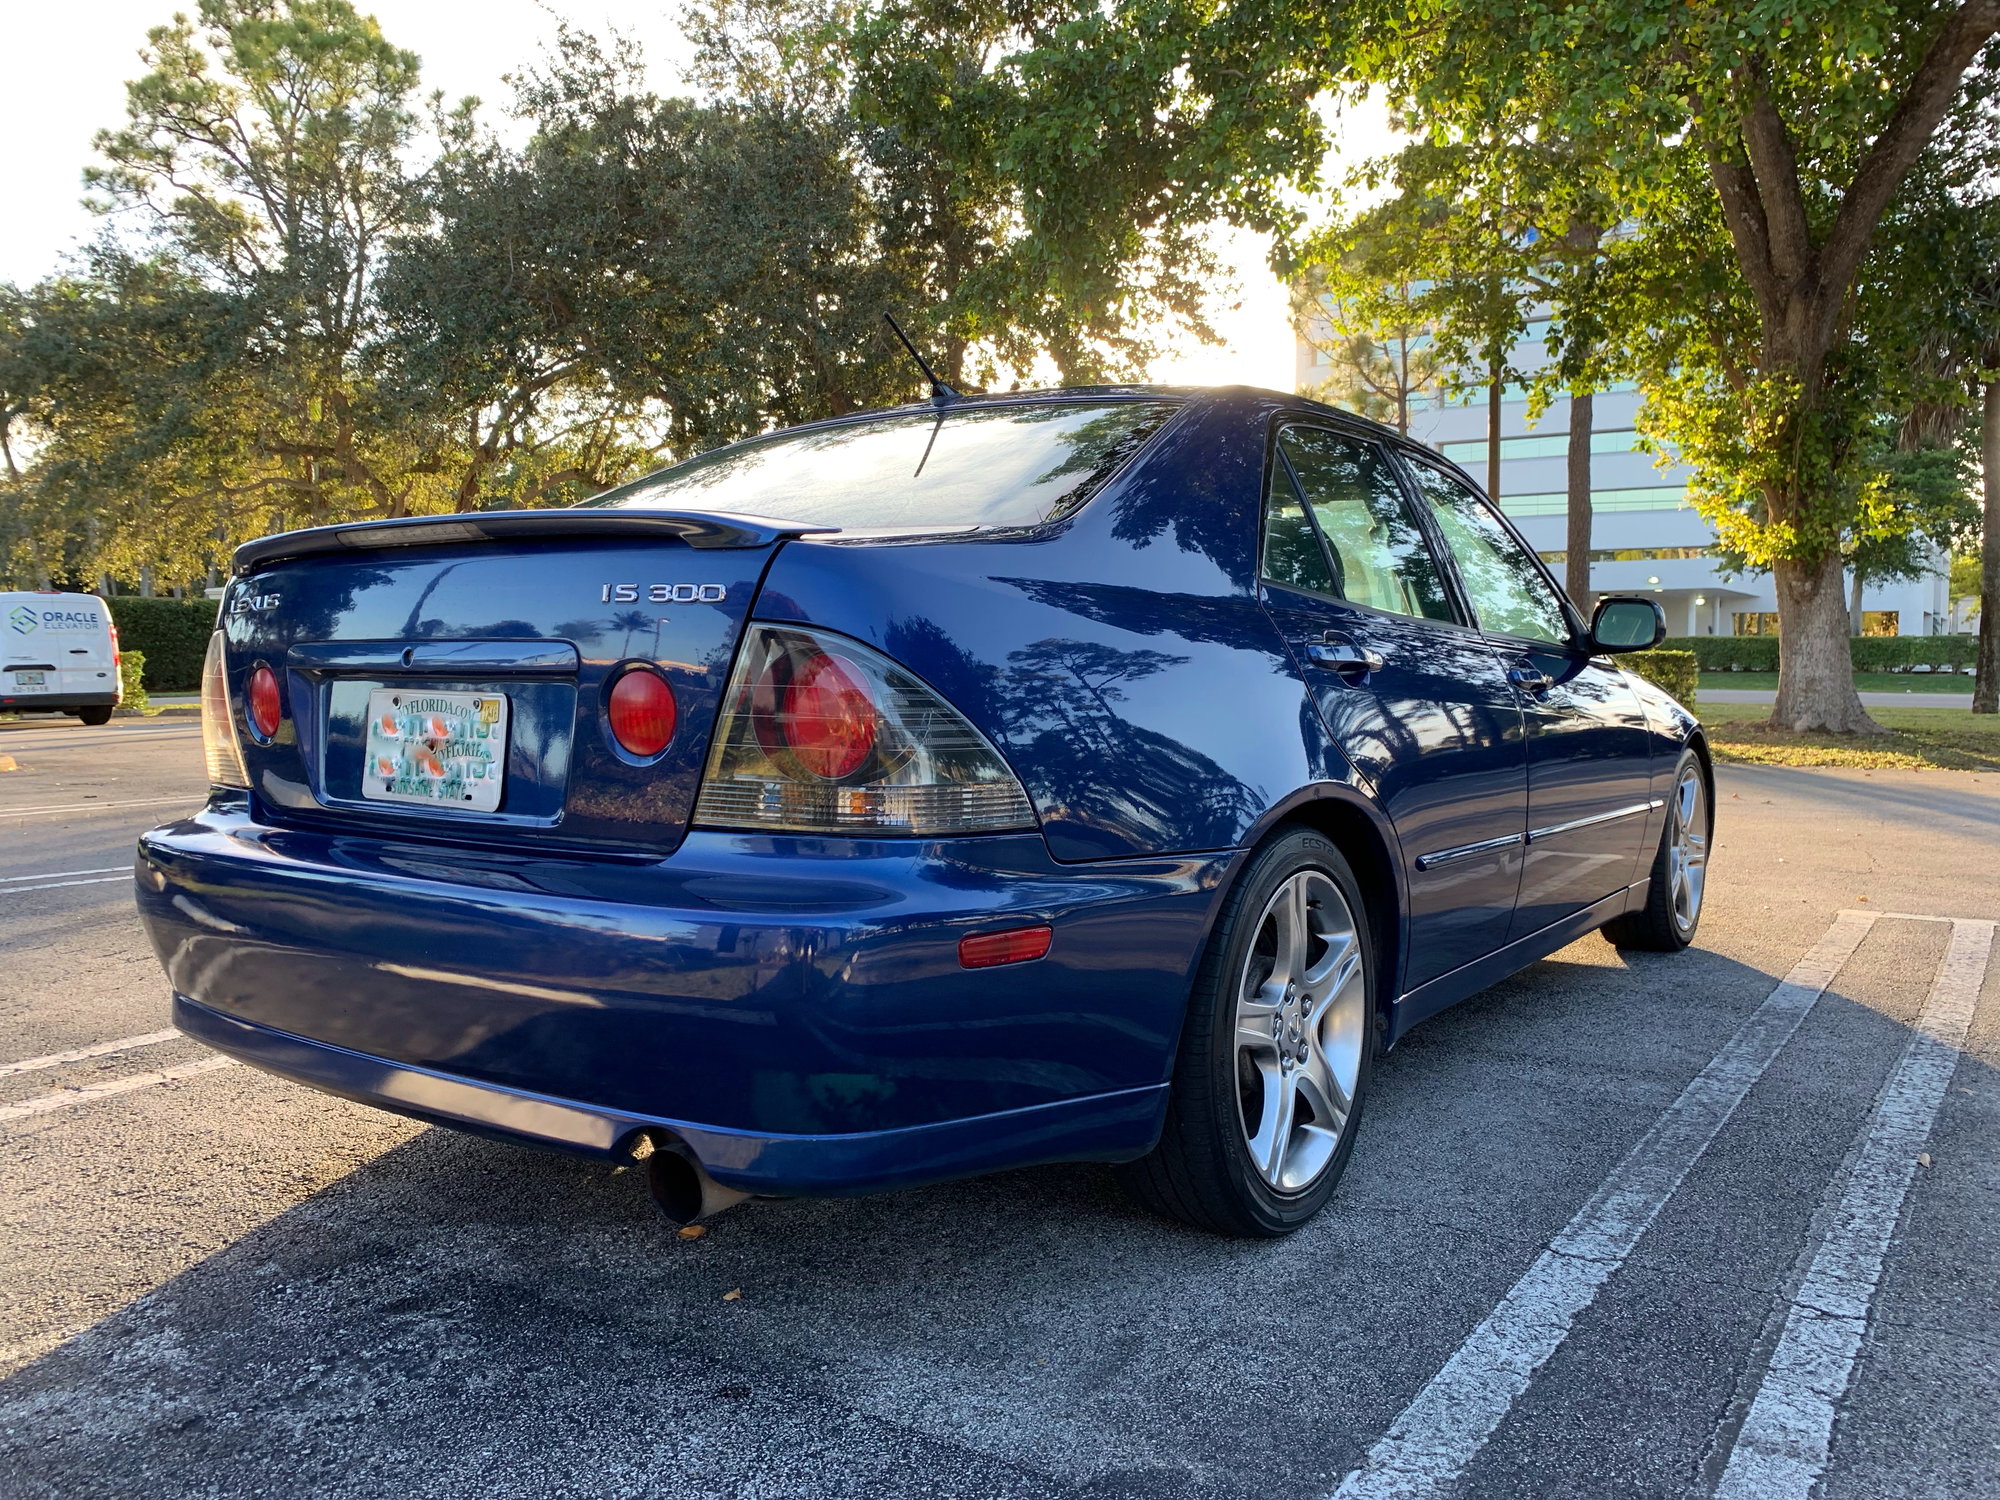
(974, 466)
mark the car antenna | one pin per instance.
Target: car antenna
(941, 394)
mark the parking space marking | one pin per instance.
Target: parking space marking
(75, 807)
(82, 1054)
(1782, 1449)
(49, 1103)
(65, 874)
(1429, 1445)
(57, 885)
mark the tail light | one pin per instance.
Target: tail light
(218, 722)
(641, 712)
(820, 734)
(267, 711)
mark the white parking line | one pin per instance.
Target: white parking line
(64, 874)
(1428, 1446)
(1781, 1451)
(190, 800)
(81, 1054)
(56, 885)
(48, 1103)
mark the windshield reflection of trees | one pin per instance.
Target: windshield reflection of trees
(918, 468)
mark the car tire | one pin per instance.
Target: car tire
(1255, 1138)
(1672, 913)
(94, 716)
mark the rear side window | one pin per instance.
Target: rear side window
(1336, 522)
(977, 465)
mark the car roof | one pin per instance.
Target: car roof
(1258, 399)
(1187, 394)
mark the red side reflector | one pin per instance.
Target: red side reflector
(985, 950)
(265, 712)
(642, 712)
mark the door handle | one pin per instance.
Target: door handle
(1338, 654)
(1529, 679)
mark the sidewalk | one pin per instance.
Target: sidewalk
(1869, 700)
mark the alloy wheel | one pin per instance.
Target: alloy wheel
(1688, 853)
(1301, 1024)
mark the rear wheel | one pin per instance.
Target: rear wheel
(1275, 1052)
(1667, 922)
(99, 715)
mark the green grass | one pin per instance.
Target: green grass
(1866, 682)
(1918, 739)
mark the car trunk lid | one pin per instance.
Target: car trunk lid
(511, 625)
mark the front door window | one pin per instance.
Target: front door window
(1504, 586)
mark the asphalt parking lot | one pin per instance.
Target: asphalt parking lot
(1717, 1224)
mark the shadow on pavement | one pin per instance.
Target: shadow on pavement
(459, 1317)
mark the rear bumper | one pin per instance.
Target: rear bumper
(791, 1009)
(1096, 1127)
(57, 703)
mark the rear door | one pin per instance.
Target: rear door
(1589, 770)
(512, 638)
(1417, 700)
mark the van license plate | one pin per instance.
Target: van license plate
(440, 749)
(31, 679)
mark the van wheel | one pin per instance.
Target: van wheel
(1275, 1053)
(94, 715)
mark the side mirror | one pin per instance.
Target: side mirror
(1627, 624)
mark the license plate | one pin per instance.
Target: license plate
(439, 749)
(31, 679)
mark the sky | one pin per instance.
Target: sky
(68, 65)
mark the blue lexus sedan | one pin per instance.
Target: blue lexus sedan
(1094, 775)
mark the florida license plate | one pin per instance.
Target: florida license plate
(31, 679)
(439, 749)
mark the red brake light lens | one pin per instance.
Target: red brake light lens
(266, 713)
(826, 717)
(987, 950)
(642, 713)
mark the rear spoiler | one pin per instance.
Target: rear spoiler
(695, 527)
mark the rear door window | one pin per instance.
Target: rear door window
(976, 465)
(1336, 522)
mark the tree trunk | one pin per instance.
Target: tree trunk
(1576, 570)
(1986, 686)
(1854, 609)
(1815, 661)
(1494, 390)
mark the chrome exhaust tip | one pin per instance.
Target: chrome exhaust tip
(679, 1187)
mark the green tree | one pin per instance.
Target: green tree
(644, 277)
(1489, 233)
(266, 149)
(1381, 361)
(1781, 133)
(1044, 174)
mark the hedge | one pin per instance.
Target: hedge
(1872, 653)
(1676, 671)
(132, 679)
(172, 634)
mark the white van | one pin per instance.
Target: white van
(58, 654)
